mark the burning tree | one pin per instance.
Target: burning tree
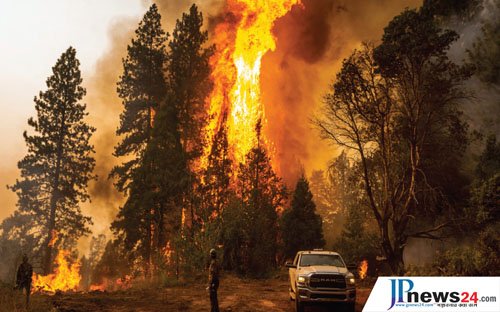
(188, 81)
(395, 108)
(216, 187)
(58, 166)
(241, 39)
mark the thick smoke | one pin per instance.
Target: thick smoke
(312, 41)
(104, 107)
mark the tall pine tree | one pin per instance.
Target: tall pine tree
(188, 77)
(216, 187)
(141, 87)
(262, 193)
(59, 163)
(301, 225)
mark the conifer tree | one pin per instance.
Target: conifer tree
(141, 87)
(301, 225)
(188, 73)
(170, 176)
(59, 163)
(189, 84)
(216, 187)
(262, 193)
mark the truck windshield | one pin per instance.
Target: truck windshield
(319, 259)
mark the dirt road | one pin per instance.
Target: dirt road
(235, 295)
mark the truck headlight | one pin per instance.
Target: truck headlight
(350, 279)
(301, 280)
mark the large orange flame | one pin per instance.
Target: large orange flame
(66, 276)
(241, 41)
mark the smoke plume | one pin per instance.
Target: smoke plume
(312, 41)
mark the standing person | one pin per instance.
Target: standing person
(24, 275)
(213, 281)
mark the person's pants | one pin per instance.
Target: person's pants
(27, 288)
(214, 302)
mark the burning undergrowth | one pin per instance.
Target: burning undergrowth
(66, 275)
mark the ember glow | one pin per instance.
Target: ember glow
(53, 238)
(66, 276)
(363, 269)
(121, 283)
(241, 41)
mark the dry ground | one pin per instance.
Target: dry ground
(235, 295)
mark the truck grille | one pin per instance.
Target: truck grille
(328, 296)
(327, 281)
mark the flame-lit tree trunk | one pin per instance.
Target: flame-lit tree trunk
(170, 177)
(389, 106)
(142, 88)
(59, 163)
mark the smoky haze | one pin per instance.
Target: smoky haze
(104, 107)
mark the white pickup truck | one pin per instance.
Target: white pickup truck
(322, 277)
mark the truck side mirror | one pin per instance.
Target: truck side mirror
(290, 265)
(352, 267)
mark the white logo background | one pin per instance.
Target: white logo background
(487, 288)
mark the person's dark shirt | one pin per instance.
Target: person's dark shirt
(213, 272)
(24, 274)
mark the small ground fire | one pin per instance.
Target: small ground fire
(363, 269)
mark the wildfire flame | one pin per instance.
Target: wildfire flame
(53, 239)
(121, 283)
(241, 41)
(66, 276)
(99, 287)
(363, 269)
